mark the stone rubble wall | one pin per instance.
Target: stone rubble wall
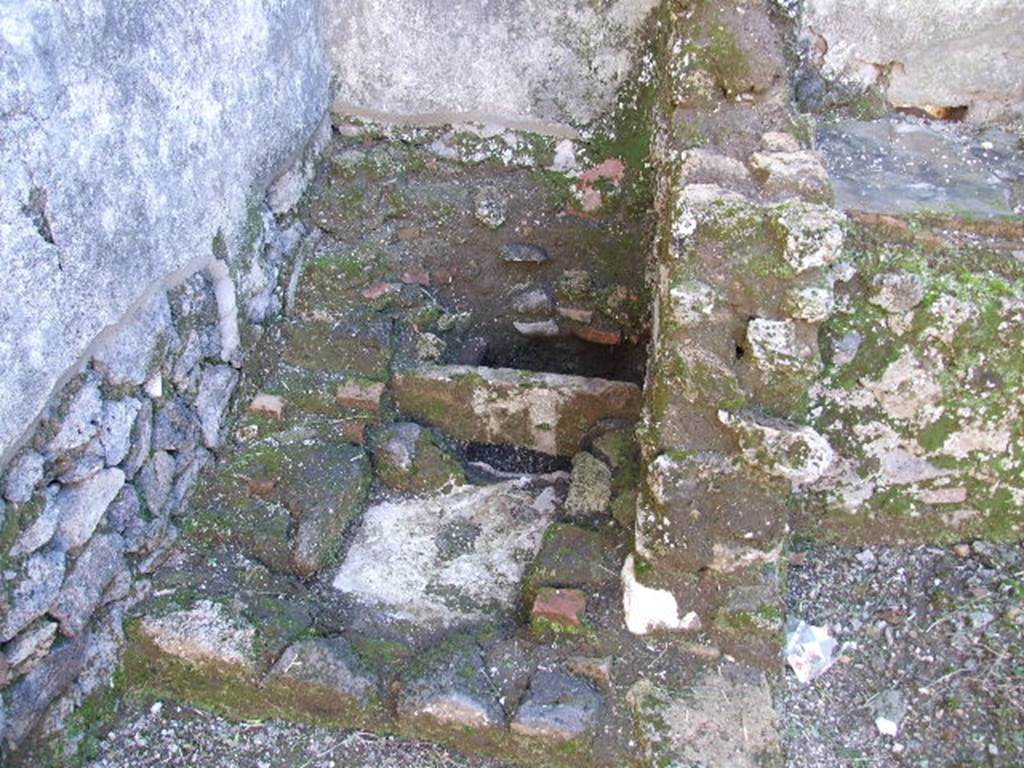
(133, 136)
(732, 190)
(918, 394)
(150, 155)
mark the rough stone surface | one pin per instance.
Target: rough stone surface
(141, 440)
(902, 165)
(531, 302)
(94, 569)
(557, 706)
(776, 345)
(448, 557)
(573, 556)
(898, 292)
(688, 524)
(647, 609)
(524, 253)
(542, 411)
(540, 329)
(925, 442)
(325, 490)
(30, 646)
(215, 388)
(128, 355)
(327, 663)
(196, 77)
(288, 505)
(204, 633)
(156, 480)
(726, 718)
(175, 426)
(590, 489)
(454, 691)
(520, 61)
(41, 686)
(926, 53)
(365, 396)
(72, 470)
(79, 420)
(42, 528)
(23, 475)
(82, 506)
(408, 457)
(489, 208)
(793, 174)
(796, 453)
(34, 592)
(116, 429)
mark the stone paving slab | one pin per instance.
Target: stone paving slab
(441, 559)
(905, 165)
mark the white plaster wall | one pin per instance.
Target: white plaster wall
(533, 64)
(930, 52)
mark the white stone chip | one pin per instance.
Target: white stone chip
(650, 609)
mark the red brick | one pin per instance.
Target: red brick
(560, 606)
(268, 405)
(365, 397)
(599, 335)
(416, 278)
(353, 432)
(377, 290)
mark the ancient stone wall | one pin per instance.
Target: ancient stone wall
(149, 154)
(836, 374)
(844, 375)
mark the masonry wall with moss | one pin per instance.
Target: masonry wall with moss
(813, 373)
(919, 392)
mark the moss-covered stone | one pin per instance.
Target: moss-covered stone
(358, 344)
(287, 505)
(410, 458)
(918, 392)
(574, 557)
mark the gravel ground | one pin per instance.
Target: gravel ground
(169, 736)
(931, 638)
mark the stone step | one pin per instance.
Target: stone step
(545, 412)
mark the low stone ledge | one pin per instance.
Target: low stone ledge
(546, 412)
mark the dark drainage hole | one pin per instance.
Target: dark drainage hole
(625, 361)
(512, 459)
(949, 114)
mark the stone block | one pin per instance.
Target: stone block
(545, 412)
(558, 707)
